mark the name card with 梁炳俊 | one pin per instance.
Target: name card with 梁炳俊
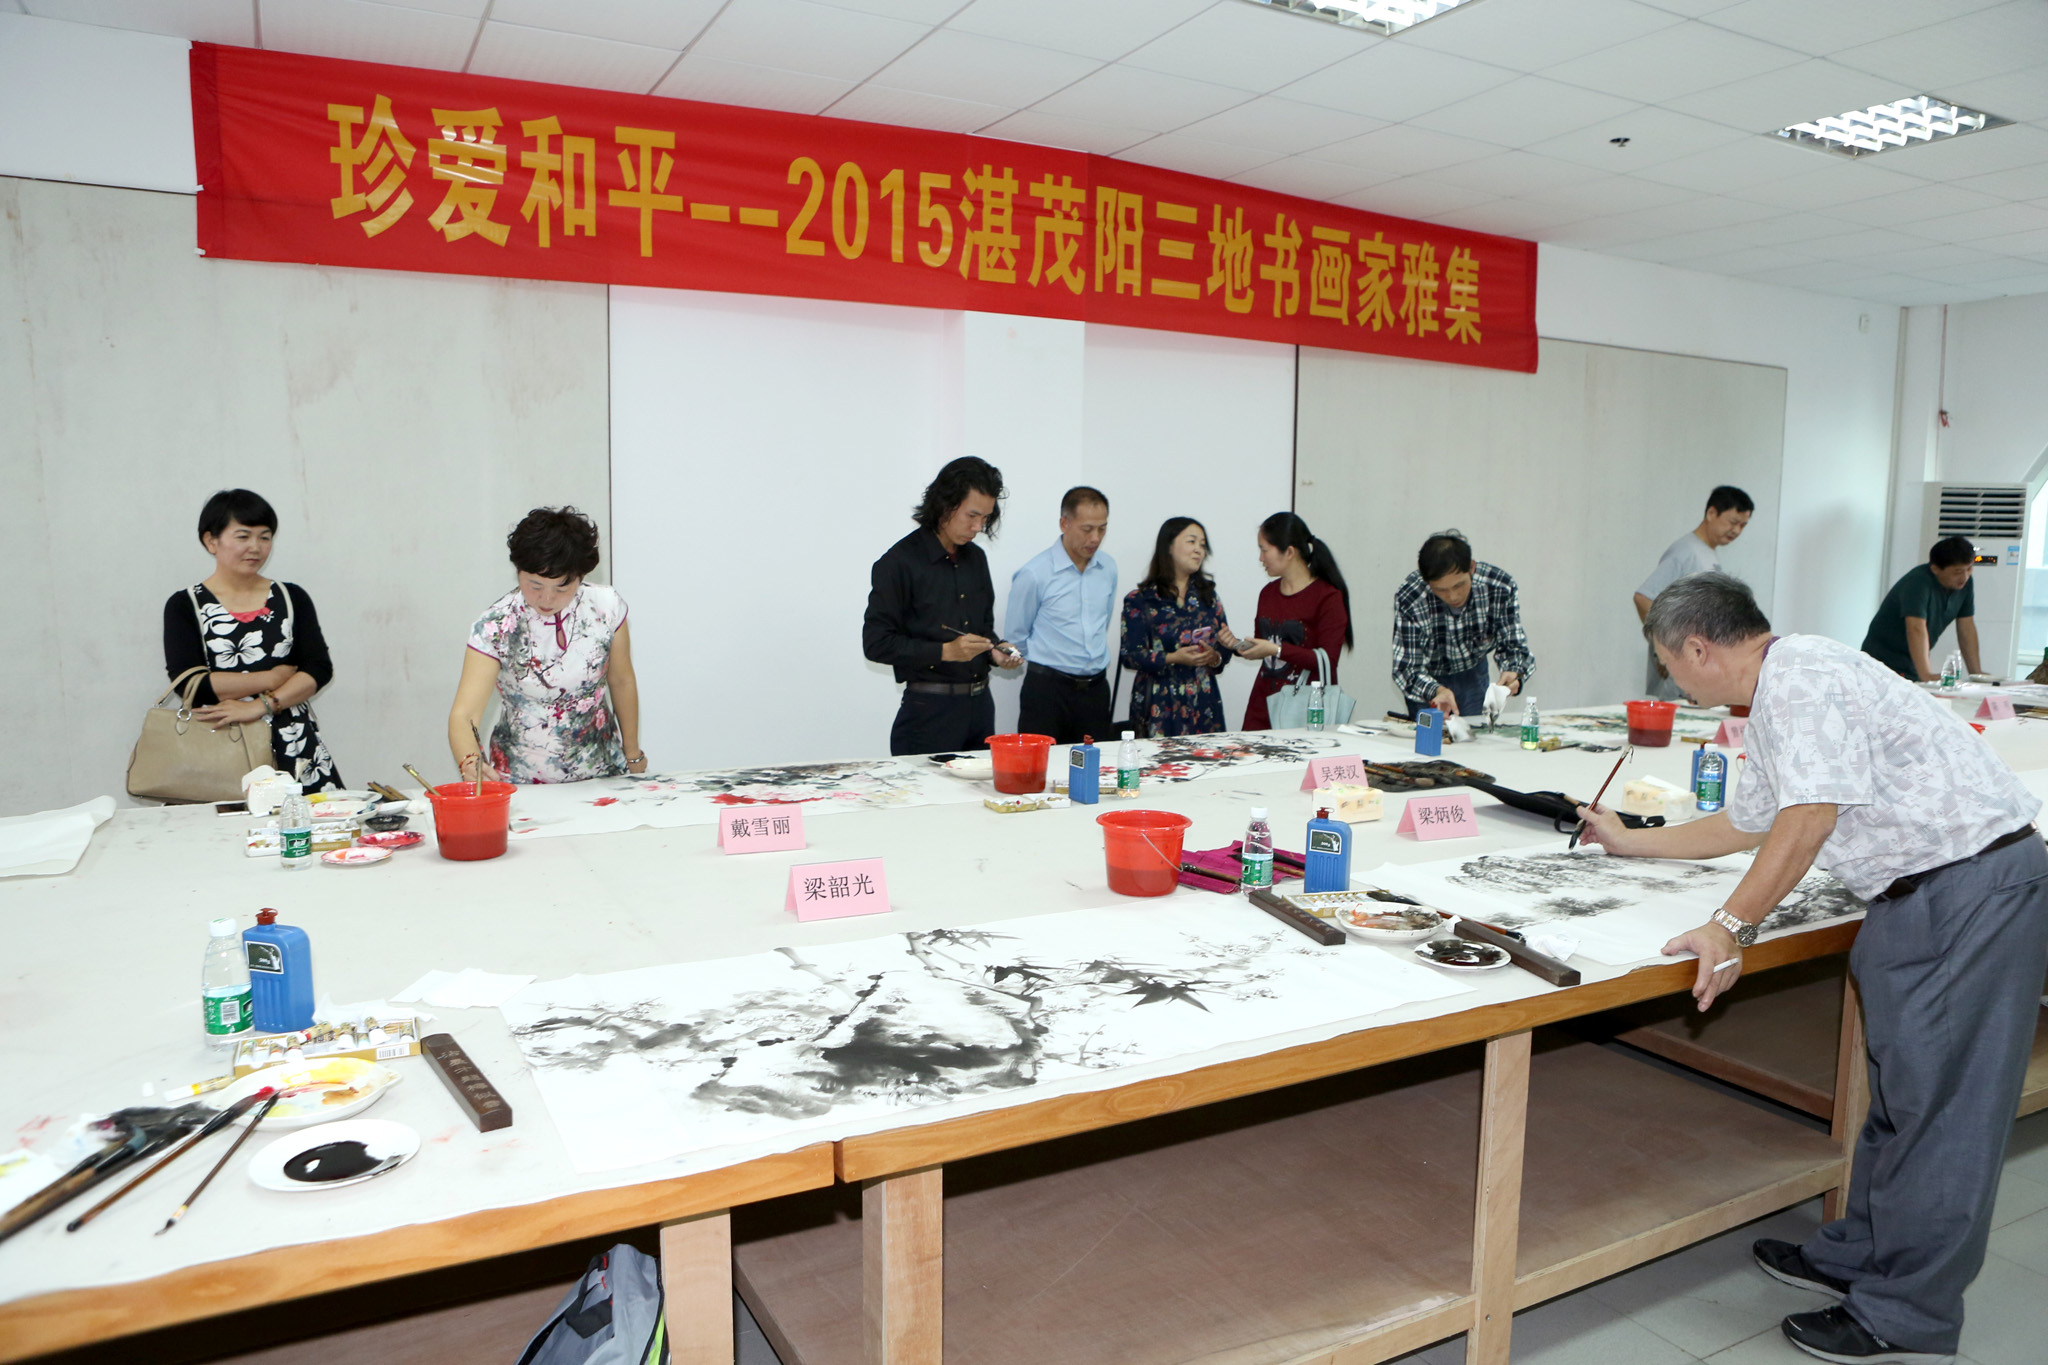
(1995, 708)
(773, 831)
(1328, 772)
(1439, 817)
(835, 890)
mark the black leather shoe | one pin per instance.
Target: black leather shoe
(1831, 1334)
(1785, 1261)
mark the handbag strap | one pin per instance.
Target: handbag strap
(191, 688)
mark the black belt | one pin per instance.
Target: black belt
(1906, 886)
(1077, 679)
(948, 689)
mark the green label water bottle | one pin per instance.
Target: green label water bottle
(1532, 728)
(224, 988)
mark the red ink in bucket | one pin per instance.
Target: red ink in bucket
(1142, 849)
(1019, 762)
(1649, 723)
(468, 827)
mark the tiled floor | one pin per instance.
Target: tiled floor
(1710, 1303)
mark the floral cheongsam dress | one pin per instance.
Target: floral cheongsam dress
(285, 630)
(1172, 699)
(555, 719)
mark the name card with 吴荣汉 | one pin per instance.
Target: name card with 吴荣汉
(1995, 708)
(761, 832)
(1448, 816)
(1729, 736)
(1329, 772)
(835, 890)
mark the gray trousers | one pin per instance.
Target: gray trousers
(1951, 978)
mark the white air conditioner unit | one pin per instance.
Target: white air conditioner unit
(1993, 516)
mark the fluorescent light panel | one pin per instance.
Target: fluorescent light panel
(1381, 16)
(1888, 127)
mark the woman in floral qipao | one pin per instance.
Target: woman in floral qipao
(259, 640)
(556, 650)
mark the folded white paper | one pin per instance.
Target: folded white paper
(50, 842)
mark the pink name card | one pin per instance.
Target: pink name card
(768, 832)
(835, 890)
(1729, 736)
(1995, 708)
(1439, 817)
(1327, 772)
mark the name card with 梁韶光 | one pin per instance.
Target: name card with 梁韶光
(836, 890)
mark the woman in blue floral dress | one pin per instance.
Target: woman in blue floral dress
(1172, 626)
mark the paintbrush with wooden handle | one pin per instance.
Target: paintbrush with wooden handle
(225, 1157)
(214, 1124)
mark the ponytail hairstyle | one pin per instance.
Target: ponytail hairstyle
(1285, 531)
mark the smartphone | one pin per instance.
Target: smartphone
(231, 808)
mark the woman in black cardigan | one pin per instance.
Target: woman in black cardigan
(259, 640)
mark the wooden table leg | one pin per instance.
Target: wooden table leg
(1497, 1211)
(1852, 1094)
(903, 1261)
(696, 1288)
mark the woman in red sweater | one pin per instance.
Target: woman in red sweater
(1305, 608)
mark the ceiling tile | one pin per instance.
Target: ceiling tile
(1743, 260)
(798, 35)
(1405, 149)
(1307, 177)
(651, 23)
(467, 9)
(1087, 27)
(2017, 95)
(1047, 130)
(1250, 47)
(1691, 215)
(2014, 147)
(1396, 82)
(916, 11)
(365, 32)
(1515, 173)
(1196, 155)
(1507, 218)
(2033, 242)
(1790, 229)
(1916, 259)
(2008, 37)
(2025, 182)
(914, 109)
(1659, 67)
(717, 81)
(1821, 27)
(2036, 283)
(1692, 9)
(1975, 272)
(1412, 198)
(1978, 224)
(1789, 95)
(1749, 161)
(1126, 96)
(202, 21)
(1610, 195)
(1836, 276)
(1530, 35)
(1282, 127)
(969, 66)
(1855, 243)
(1654, 136)
(1830, 181)
(533, 54)
(1915, 205)
(1529, 109)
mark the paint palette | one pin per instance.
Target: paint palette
(1459, 955)
(356, 857)
(317, 1091)
(333, 1155)
(395, 839)
(1383, 923)
(967, 767)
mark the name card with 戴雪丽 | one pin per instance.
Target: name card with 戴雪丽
(835, 890)
(771, 831)
(1448, 816)
(1328, 772)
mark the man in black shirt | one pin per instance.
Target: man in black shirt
(932, 614)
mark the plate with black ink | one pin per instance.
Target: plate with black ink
(1459, 955)
(332, 1155)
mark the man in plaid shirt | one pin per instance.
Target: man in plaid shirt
(1448, 616)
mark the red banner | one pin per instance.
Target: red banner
(350, 163)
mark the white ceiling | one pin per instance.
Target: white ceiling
(1496, 116)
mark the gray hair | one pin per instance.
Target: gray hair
(1717, 607)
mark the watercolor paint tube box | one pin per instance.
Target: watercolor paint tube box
(400, 1038)
(1012, 805)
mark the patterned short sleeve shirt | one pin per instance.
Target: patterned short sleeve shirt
(1914, 786)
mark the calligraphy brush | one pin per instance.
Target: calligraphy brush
(1000, 644)
(414, 774)
(1602, 792)
(235, 1146)
(479, 759)
(218, 1121)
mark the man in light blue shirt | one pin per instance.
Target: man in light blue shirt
(1061, 605)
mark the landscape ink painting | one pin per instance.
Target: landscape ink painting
(643, 1065)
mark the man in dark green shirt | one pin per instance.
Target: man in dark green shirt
(1921, 606)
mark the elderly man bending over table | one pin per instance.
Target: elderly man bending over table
(1853, 767)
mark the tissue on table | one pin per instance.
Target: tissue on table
(1457, 730)
(1495, 703)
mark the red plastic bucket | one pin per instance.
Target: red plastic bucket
(1020, 762)
(469, 828)
(1649, 723)
(1142, 849)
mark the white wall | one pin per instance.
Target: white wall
(99, 106)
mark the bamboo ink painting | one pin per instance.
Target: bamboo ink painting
(643, 1065)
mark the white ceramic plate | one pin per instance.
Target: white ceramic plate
(335, 1088)
(970, 769)
(1489, 958)
(355, 857)
(1395, 923)
(331, 1155)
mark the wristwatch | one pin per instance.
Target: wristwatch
(1744, 931)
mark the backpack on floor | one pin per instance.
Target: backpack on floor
(612, 1317)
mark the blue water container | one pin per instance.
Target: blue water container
(280, 974)
(1329, 854)
(1429, 732)
(1084, 772)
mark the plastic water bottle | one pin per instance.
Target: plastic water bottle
(1257, 856)
(1315, 705)
(224, 989)
(295, 833)
(1127, 766)
(1711, 786)
(1532, 726)
(1952, 670)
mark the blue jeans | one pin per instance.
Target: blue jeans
(1468, 687)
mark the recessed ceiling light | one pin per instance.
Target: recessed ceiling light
(1381, 16)
(1888, 127)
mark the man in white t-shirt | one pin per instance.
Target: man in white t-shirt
(1853, 768)
(1697, 551)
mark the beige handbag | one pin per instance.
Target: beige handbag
(181, 759)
